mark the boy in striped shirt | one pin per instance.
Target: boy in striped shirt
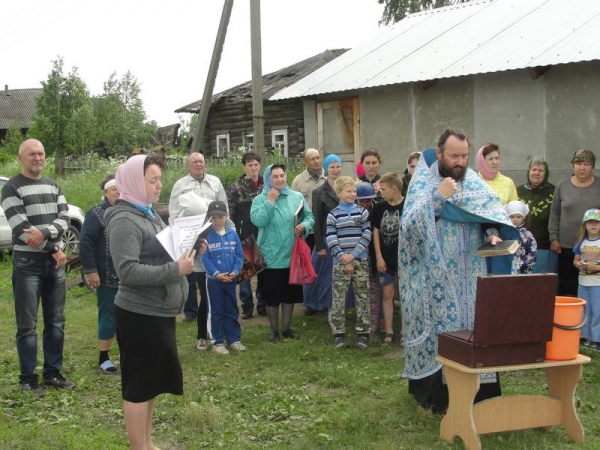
(348, 237)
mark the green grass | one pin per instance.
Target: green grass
(293, 394)
(81, 188)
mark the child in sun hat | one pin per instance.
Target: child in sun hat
(526, 254)
(587, 260)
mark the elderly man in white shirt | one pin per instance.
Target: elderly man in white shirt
(312, 177)
(198, 181)
(209, 188)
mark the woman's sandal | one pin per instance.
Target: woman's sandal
(388, 339)
(108, 368)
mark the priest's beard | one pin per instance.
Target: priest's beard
(456, 172)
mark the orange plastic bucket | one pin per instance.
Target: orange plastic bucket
(568, 321)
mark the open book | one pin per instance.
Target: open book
(182, 235)
(502, 248)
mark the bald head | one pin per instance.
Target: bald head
(312, 160)
(28, 143)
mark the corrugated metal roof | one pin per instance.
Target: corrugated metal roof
(17, 105)
(465, 39)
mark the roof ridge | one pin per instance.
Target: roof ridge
(441, 9)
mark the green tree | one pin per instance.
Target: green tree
(186, 132)
(81, 130)
(396, 10)
(120, 114)
(10, 144)
(58, 121)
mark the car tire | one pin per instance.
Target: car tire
(70, 239)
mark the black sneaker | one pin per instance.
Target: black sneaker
(247, 315)
(290, 334)
(362, 342)
(309, 311)
(262, 312)
(189, 319)
(340, 341)
(33, 387)
(59, 382)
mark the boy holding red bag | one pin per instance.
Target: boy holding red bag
(348, 237)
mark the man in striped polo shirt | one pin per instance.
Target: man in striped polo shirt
(36, 210)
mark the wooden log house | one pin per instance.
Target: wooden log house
(229, 125)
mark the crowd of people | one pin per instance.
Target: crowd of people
(374, 238)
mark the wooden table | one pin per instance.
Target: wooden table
(510, 412)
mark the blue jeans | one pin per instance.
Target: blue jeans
(33, 280)
(246, 297)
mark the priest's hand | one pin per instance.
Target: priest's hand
(493, 239)
(447, 188)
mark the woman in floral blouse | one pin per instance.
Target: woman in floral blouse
(537, 193)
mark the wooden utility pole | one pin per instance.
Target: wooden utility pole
(212, 75)
(257, 86)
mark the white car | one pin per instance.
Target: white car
(70, 237)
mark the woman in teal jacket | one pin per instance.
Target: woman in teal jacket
(280, 215)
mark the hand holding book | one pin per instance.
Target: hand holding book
(501, 248)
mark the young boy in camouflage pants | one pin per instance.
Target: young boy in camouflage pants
(348, 237)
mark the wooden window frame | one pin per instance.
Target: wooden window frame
(284, 133)
(227, 150)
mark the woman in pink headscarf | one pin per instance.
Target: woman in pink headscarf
(488, 163)
(152, 290)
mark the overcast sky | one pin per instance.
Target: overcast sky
(167, 45)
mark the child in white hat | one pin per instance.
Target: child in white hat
(525, 255)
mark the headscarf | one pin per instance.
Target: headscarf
(516, 207)
(360, 170)
(537, 162)
(269, 182)
(331, 158)
(584, 156)
(484, 170)
(130, 181)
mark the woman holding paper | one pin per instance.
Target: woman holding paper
(280, 215)
(151, 293)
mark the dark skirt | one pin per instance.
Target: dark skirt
(431, 392)
(275, 289)
(149, 360)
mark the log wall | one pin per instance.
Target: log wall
(235, 118)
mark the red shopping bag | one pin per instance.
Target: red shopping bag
(301, 268)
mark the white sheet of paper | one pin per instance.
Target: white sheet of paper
(182, 235)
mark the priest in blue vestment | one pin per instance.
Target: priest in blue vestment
(449, 212)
